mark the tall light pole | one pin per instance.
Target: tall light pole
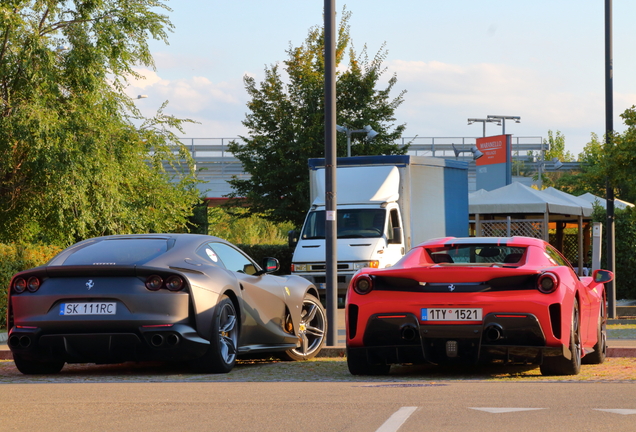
(331, 258)
(367, 130)
(503, 119)
(609, 135)
(484, 121)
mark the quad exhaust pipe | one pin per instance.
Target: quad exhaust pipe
(16, 341)
(158, 340)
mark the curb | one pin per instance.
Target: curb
(627, 352)
(337, 351)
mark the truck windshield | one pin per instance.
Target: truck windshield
(352, 223)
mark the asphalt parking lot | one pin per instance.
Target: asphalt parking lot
(331, 366)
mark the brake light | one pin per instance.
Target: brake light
(19, 285)
(33, 284)
(547, 282)
(174, 283)
(363, 284)
(154, 282)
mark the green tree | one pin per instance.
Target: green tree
(76, 157)
(286, 122)
(608, 160)
(556, 151)
(621, 161)
(591, 177)
(556, 147)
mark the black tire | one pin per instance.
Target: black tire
(600, 348)
(221, 355)
(312, 331)
(33, 367)
(358, 364)
(561, 365)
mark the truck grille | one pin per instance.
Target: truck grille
(323, 267)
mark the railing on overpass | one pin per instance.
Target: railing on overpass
(216, 164)
(419, 146)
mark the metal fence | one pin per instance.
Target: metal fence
(418, 146)
(509, 227)
(216, 164)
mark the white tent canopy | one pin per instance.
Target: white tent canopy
(620, 204)
(523, 201)
(518, 198)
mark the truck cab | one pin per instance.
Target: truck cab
(367, 236)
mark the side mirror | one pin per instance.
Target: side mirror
(270, 265)
(397, 236)
(292, 238)
(602, 276)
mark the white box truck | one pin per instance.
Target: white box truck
(385, 205)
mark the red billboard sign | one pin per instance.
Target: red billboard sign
(494, 148)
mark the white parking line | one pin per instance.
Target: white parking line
(504, 410)
(397, 419)
(617, 411)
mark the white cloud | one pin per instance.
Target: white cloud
(440, 97)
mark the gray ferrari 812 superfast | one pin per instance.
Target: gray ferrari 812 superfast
(165, 297)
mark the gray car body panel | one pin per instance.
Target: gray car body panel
(262, 301)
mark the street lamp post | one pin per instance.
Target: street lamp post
(484, 121)
(367, 130)
(503, 119)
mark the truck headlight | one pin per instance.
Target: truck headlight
(366, 264)
(299, 267)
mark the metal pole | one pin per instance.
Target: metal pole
(348, 142)
(331, 258)
(609, 132)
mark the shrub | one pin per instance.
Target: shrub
(15, 258)
(233, 225)
(624, 246)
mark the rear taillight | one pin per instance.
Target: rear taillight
(363, 284)
(33, 284)
(547, 282)
(19, 285)
(174, 283)
(154, 282)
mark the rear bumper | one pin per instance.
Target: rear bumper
(176, 342)
(400, 338)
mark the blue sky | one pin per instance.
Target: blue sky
(542, 60)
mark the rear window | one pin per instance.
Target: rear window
(475, 253)
(118, 252)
